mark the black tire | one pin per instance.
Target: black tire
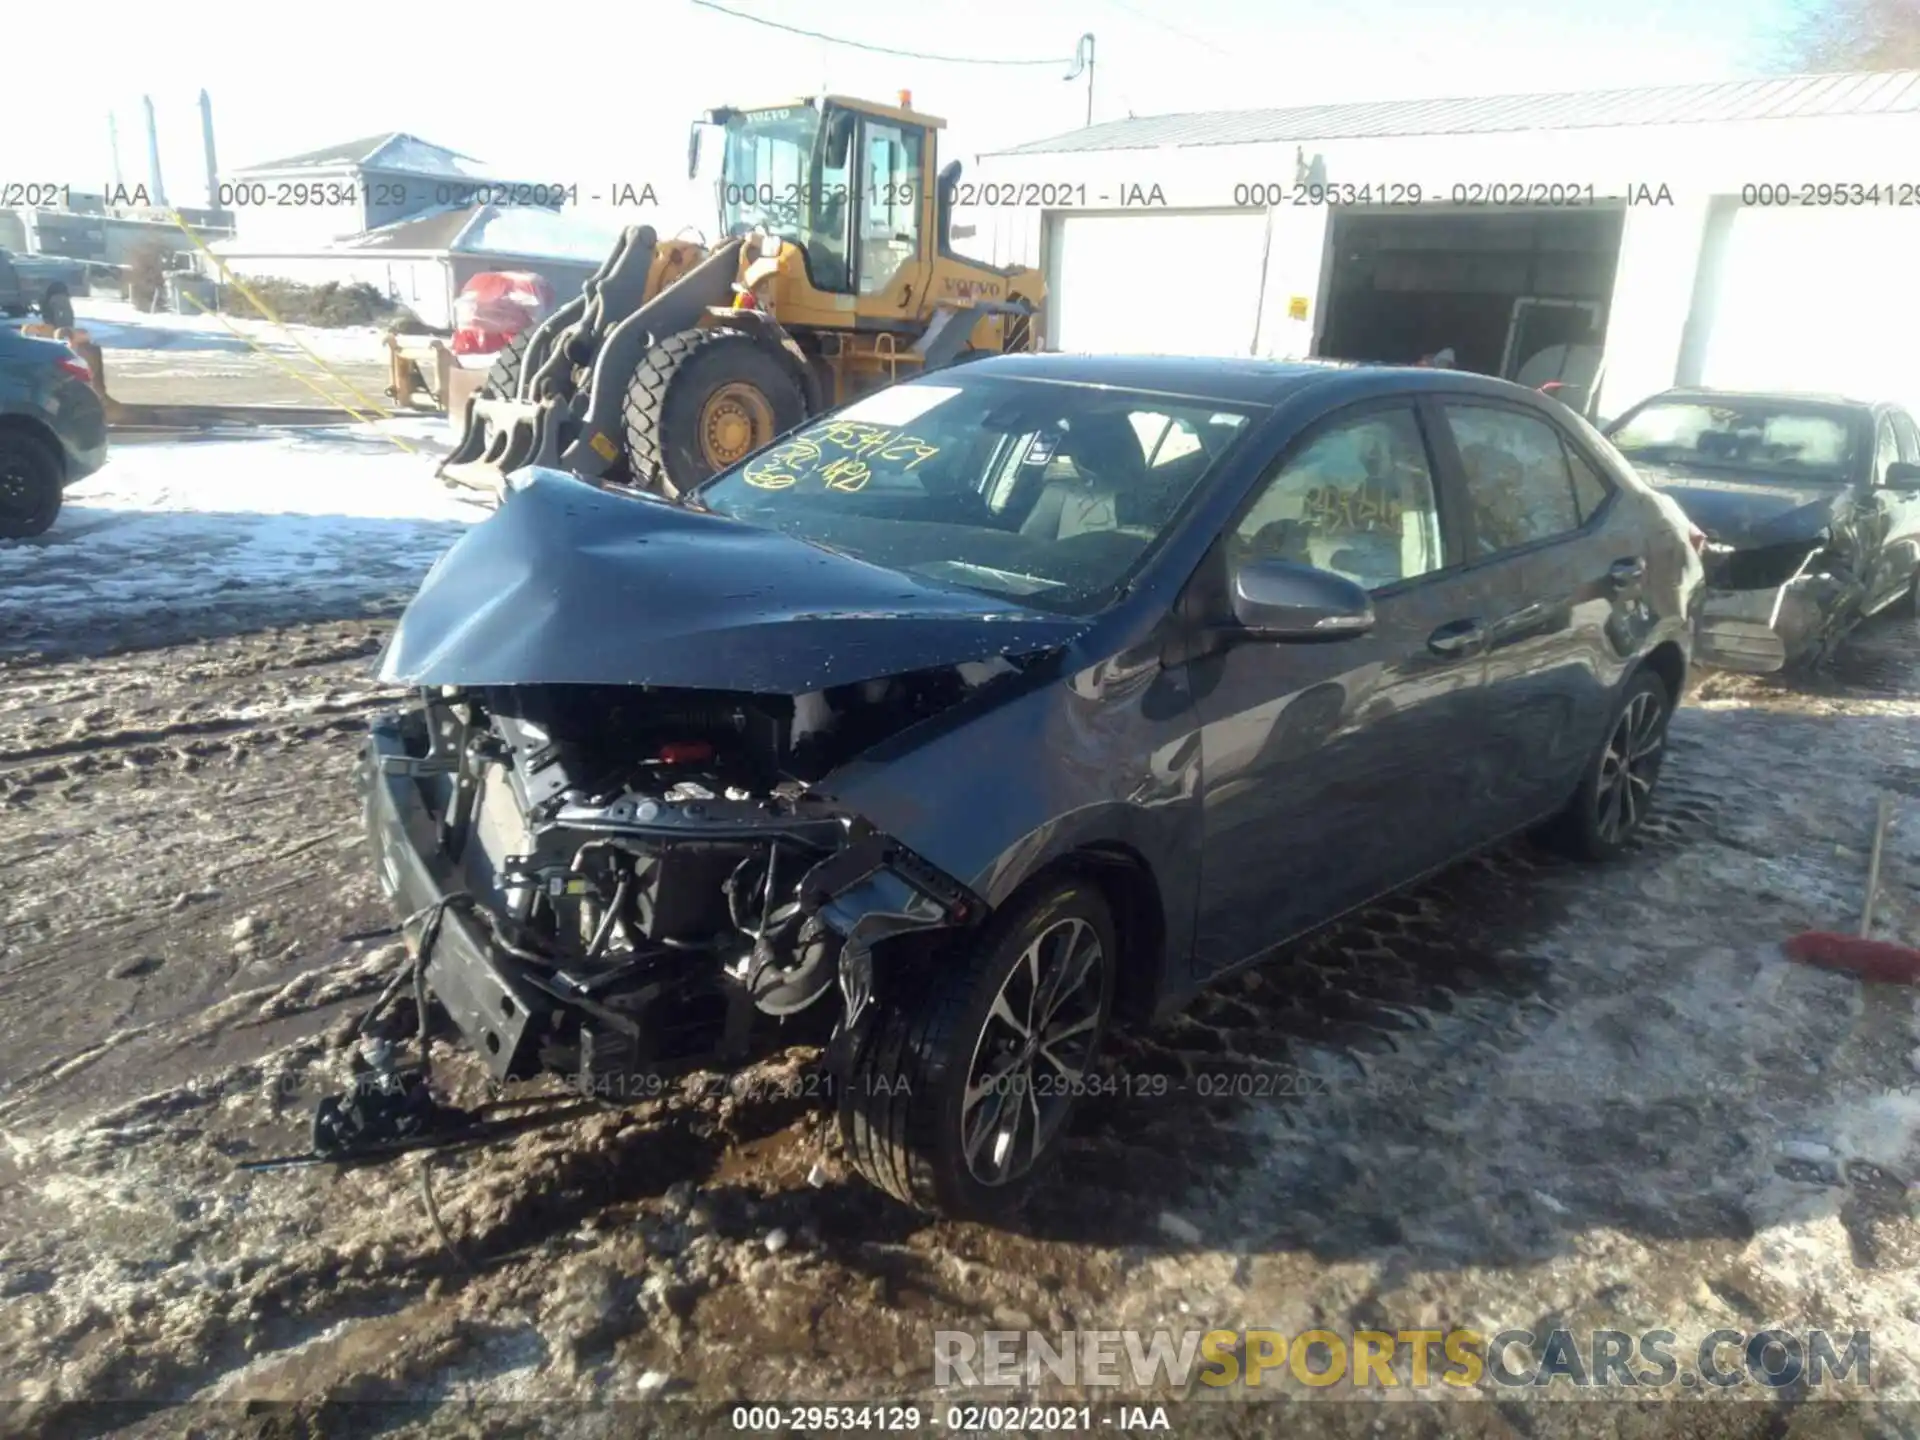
(503, 376)
(1908, 604)
(902, 1101)
(57, 309)
(1608, 809)
(676, 380)
(30, 485)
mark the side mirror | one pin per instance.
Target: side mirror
(1903, 475)
(1279, 600)
(695, 134)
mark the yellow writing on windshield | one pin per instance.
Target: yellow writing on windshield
(847, 475)
(781, 466)
(840, 455)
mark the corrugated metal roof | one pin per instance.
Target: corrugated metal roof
(395, 150)
(1788, 97)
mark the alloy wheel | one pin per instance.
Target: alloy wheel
(1034, 1049)
(1628, 768)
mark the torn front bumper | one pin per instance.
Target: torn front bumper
(870, 890)
(489, 1001)
(1761, 631)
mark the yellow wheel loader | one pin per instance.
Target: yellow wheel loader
(833, 277)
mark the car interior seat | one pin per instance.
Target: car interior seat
(1109, 469)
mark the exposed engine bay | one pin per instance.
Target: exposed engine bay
(642, 872)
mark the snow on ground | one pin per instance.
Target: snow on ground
(118, 325)
(189, 531)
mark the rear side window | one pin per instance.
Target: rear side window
(1520, 486)
(1590, 492)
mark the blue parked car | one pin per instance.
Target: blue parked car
(53, 431)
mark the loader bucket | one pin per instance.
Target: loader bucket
(498, 438)
(501, 433)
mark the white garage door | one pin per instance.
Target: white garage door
(1173, 283)
(1819, 299)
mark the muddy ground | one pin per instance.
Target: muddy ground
(1532, 1095)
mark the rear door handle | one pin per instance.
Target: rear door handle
(1623, 573)
(1457, 638)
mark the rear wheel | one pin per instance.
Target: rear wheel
(57, 309)
(1614, 798)
(702, 400)
(959, 1095)
(30, 486)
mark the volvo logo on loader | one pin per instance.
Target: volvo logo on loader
(966, 289)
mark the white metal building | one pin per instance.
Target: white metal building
(1711, 234)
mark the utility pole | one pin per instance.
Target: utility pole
(1083, 61)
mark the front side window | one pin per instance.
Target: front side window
(1886, 450)
(1357, 500)
(1520, 486)
(1908, 436)
(1044, 493)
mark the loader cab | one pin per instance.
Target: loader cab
(849, 183)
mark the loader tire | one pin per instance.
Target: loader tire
(702, 400)
(503, 376)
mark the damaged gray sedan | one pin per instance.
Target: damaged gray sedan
(1810, 506)
(1025, 695)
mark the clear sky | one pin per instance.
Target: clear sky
(603, 93)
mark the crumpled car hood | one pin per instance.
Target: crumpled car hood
(1749, 512)
(569, 584)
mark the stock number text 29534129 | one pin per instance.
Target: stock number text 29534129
(770, 192)
(1817, 193)
(1262, 195)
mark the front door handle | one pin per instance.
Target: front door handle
(1457, 638)
(1630, 571)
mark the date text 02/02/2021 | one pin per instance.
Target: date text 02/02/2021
(954, 1420)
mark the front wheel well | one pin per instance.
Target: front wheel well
(1669, 662)
(1126, 882)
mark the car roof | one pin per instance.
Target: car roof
(1781, 397)
(1240, 380)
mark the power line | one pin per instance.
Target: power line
(875, 49)
(1186, 35)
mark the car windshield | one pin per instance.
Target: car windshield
(1051, 494)
(1759, 439)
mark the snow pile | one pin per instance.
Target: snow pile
(116, 325)
(241, 532)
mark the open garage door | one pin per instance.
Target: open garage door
(1821, 299)
(1522, 294)
(1106, 274)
